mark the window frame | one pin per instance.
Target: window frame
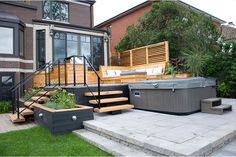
(13, 41)
(23, 44)
(50, 11)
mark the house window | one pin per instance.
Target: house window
(6, 40)
(72, 44)
(59, 45)
(55, 10)
(21, 43)
(98, 53)
(85, 47)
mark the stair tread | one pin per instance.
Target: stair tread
(109, 100)
(14, 118)
(223, 106)
(108, 145)
(103, 93)
(26, 111)
(38, 99)
(28, 103)
(50, 93)
(114, 108)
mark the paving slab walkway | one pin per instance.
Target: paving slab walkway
(195, 134)
(6, 125)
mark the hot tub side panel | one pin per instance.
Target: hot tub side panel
(179, 101)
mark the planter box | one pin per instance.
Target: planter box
(63, 120)
(185, 75)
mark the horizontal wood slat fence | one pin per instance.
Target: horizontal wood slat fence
(145, 55)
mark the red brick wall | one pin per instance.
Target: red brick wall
(119, 28)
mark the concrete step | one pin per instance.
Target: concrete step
(132, 142)
(108, 145)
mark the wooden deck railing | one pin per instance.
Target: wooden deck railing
(145, 55)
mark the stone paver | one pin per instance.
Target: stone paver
(195, 134)
(6, 125)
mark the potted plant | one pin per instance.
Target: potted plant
(61, 114)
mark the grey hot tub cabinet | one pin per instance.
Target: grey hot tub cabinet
(174, 96)
(62, 121)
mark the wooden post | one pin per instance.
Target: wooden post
(147, 60)
(131, 58)
(167, 51)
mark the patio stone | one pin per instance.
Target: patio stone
(195, 134)
(6, 125)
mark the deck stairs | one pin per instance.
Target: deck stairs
(111, 101)
(27, 108)
(102, 101)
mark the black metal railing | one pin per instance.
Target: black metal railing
(48, 69)
(85, 60)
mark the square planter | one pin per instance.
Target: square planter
(63, 120)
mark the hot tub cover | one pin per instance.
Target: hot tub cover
(177, 83)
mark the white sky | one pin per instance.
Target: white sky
(223, 9)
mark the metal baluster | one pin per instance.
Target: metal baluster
(49, 76)
(18, 103)
(74, 70)
(46, 81)
(65, 72)
(99, 90)
(84, 71)
(59, 73)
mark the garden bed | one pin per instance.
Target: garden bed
(62, 120)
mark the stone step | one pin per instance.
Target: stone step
(108, 145)
(132, 142)
(109, 100)
(103, 93)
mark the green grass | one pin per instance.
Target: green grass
(38, 141)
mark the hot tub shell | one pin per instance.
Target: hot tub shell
(174, 96)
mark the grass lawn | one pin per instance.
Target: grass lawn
(38, 141)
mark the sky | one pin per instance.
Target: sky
(223, 9)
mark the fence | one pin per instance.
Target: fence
(145, 55)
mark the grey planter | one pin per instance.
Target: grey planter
(64, 120)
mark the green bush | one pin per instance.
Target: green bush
(222, 65)
(62, 100)
(5, 106)
(184, 29)
(171, 70)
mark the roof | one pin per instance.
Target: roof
(228, 31)
(87, 1)
(148, 2)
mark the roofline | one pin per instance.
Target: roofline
(216, 19)
(69, 25)
(124, 13)
(91, 2)
(201, 11)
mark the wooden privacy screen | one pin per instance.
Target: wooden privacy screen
(144, 55)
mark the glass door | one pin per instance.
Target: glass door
(6, 82)
(40, 46)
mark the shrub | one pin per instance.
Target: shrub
(62, 100)
(222, 65)
(5, 106)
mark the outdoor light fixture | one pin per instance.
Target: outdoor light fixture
(51, 27)
(74, 118)
(40, 115)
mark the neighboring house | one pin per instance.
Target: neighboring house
(33, 33)
(117, 25)
(228, 31)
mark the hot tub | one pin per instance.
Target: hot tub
(174, 96)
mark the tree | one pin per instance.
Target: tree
(188, 32)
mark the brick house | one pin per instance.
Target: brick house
(117, 25)
(33, 33)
